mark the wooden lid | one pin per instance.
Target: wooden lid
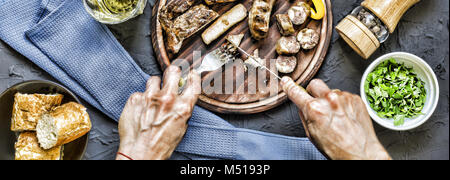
(389, 11)
(358, 36)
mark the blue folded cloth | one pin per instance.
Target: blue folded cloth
(61, 38)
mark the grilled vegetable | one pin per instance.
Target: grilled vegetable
(188, 24)
(259, 18)
(308, 38)
(299, 12)
(172, 10)
(319, 13)
(287, 46)
(235, 39)
(211, 2)
(286, 64)
(285, 25)
(254, 62)
(224, 22)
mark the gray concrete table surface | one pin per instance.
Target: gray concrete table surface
(424, 31)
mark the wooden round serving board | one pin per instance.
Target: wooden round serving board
(309, 61)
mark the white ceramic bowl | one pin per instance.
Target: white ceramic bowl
(424, 72)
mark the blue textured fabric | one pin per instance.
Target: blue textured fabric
(61, 38)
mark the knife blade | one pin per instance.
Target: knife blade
(263, 66)
(254, 59)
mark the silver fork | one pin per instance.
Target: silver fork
(213, 61)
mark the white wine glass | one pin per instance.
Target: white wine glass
(114, 11)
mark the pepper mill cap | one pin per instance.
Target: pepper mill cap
(358, 36)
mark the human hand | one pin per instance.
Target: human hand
(337, 122)
(153, 123)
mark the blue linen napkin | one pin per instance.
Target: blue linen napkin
(61, 38)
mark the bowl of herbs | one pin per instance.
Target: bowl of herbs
(400, 91)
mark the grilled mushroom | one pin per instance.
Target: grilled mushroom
(285, 25)
(299, 12)
(286, 64)
(308, 38)
(287, 46)
(259, 18)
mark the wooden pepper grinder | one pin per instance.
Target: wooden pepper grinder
(369, 25)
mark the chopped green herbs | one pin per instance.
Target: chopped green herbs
(394, 91)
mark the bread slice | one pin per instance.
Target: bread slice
(28, 108)
(27, 148)
(63, 125)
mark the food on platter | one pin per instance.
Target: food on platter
(285, 25)
(228, 50)
(254, 62)
(286, 64)
(259, 18)
(299, 13)
(235, 39)
(287, 45)
(308, 38)
(63, 125)
(319, 12)
(211, 2)
(224, 22)
(27, 148)
(172, 10)
(186, 25)
(28, 108)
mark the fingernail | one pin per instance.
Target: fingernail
(285, 80)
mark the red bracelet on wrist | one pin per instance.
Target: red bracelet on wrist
(128, 157)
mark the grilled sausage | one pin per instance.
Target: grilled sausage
(308, 38)
(285, 25)
(259, 18)
(287, 46)
(299, 12)
(286, 64)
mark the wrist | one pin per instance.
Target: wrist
(131, 150)
(122, 156)
(377, 152)
(137, 150)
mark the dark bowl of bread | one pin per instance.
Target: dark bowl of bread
(42, 120)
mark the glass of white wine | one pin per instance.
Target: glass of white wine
(114, 11)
